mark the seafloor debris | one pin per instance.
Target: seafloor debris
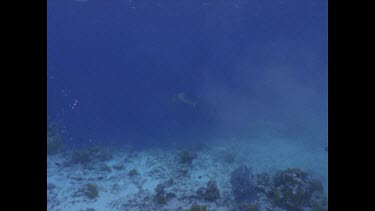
(133, 173)
(187, 157)
(54, 139)
(88, 156)
(162, 196)
(118, 167)
(88, 209)
(50, 186)
(90, 190)
(243, 184)
(196, 207)
(208, 184)
(292, 189)
(210, 193)
(248, 207)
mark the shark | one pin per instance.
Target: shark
(182, 97)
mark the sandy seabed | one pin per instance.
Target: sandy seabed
(119, 190)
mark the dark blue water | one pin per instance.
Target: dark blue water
(116, 68)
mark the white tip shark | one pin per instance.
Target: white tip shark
(181, 97)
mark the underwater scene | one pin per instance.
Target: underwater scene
(199, 105)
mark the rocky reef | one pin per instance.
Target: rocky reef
(243, 184)
(162, 196)
(181, 180)
(54, 139)
(293, 189)
(210, 193)
(88, 156)
(187, 157)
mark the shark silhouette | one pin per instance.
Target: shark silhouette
(182, 97)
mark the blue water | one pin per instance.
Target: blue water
(117, 70)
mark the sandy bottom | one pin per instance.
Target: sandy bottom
(117, 190)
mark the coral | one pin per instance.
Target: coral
(243, 184)
(275, 196)
(187, 157)
(248, 207)
(293, 189)
(197, 208)
(182, 173)
(317, 206)
(100, 153)
(81, 156)
(105, 168)
(161, 196)
(91, 190)
(318, 202)
(160, 199)
(118, 167)
(316, 185)
(88, 156)
(169, 183)
(133, 172)
(54, 145)
(50, 186)
(160, 188)
(264, 179)
(169, 196)
(290, 176)
(54, 139)
(210, 193)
